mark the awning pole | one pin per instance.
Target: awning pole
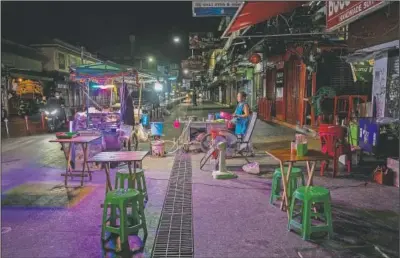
(87, 104)
(140, 100)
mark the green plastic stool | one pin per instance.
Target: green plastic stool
(121, 199)
(140, 181)
(295, 175)
(310, 195)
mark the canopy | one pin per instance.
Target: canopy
(100, 73)
(252, 13)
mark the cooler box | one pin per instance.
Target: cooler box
(377, 139)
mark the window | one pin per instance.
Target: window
(61, 61)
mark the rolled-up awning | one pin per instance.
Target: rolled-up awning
(255, 12)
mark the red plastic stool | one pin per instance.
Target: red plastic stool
(332, 144)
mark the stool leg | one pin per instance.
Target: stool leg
(292, 202)
(123, 223)
(273, 190)
(113, 215)
(144, 187)
(303, 181)
(328, 218)
(306, 220)
(104, 222)
(143, 219)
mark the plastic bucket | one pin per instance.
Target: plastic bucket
(158, 148)
(157, 128)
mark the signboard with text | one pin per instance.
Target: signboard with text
(206, 9)
(341, 13)
(203, 40)
(195, 63)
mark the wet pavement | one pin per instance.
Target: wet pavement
(231, 218)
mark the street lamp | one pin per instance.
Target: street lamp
(177, 39)
(150, 59)
(186, 71)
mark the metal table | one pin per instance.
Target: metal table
(83, 141)
(285, 156)
(121, 156)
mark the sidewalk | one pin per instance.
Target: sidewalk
(233, 218)
(42, 218)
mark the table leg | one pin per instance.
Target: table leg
(85, 157)
(108, 179)
(68, 156)
(132, 183)
(285, 180)
(310, 170)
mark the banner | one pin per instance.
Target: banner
(204, 9)
(195, 63)
(379, 86)
(341, 13)
(203, 40)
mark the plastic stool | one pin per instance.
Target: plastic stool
(295, 174)
(122, 176)
(310, 195)
(129, 224)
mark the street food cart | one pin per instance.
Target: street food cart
(100, 119)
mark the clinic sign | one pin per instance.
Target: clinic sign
(341, 13)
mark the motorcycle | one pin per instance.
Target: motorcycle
(54, 121)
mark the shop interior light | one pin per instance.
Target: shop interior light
(158, 86)
(104, 86)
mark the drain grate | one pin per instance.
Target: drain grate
(174, 236)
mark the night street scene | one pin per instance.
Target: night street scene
(256, 129)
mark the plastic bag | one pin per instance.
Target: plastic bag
(142, 134)
(252, 168)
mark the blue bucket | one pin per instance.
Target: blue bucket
(157, 128)
(145, 119)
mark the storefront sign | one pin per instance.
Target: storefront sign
(194, 64)
(204, 9)
(341, 13)
(363, 70)
(199, 40)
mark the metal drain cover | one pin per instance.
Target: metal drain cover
(174, 236)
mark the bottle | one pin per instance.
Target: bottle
(293, 147)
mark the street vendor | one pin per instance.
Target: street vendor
(241, 115)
